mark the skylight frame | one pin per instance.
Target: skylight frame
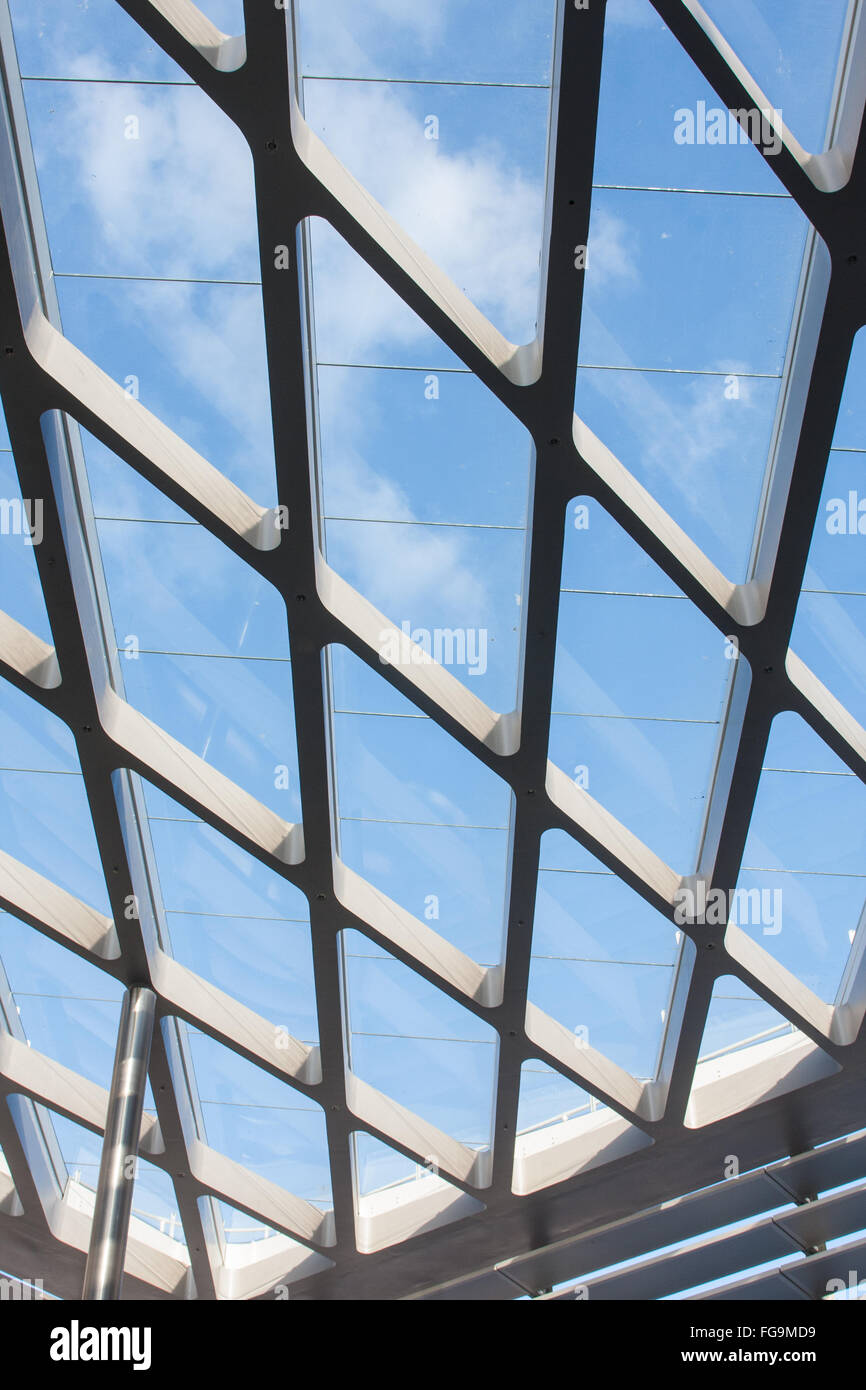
(297, 181)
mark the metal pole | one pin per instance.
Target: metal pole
(103, 1275)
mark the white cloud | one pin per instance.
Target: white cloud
(178, 202)
(342, 36)
(476, 213)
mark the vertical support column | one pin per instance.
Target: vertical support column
(103, 1275)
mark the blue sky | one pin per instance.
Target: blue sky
(695, 255)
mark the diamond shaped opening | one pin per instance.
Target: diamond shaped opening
(201, 642)
(154, 1222)
(419, 817)
(639, 686)
(602, 959)
(9, 1203)
(413, 1043)
(424, 476)
(231, 920)
(259, 1121)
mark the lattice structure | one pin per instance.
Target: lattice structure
(659, 1139)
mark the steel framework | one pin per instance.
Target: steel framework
(535, 1208)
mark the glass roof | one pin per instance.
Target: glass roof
(360, 913)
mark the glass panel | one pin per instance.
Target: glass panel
(420, 818)
(143, 180)
(417, 1046)
(259, 1121)
(194, 355)
(803, 878)
(44, 814)
(148, 199)
(829, 628)
(697, 442)
(239, 1228)
(445, 450)
(231, 920)
(155, 1204)
(546, 1097)
(639, 686)
(425, 478)
(791, 48)
(461, 169)
(676, 282)
(69, 1009)
(684, 335)
(648, 85)
(738, 1018)
(377, 1166)
(602, 960)
(498, 41)
(204, 642)
(94, 39)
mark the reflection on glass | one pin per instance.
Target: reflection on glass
(422, 820)
(639, 685)
(803, 882)
(697, 442)
(416, 1045)
(602, 961)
